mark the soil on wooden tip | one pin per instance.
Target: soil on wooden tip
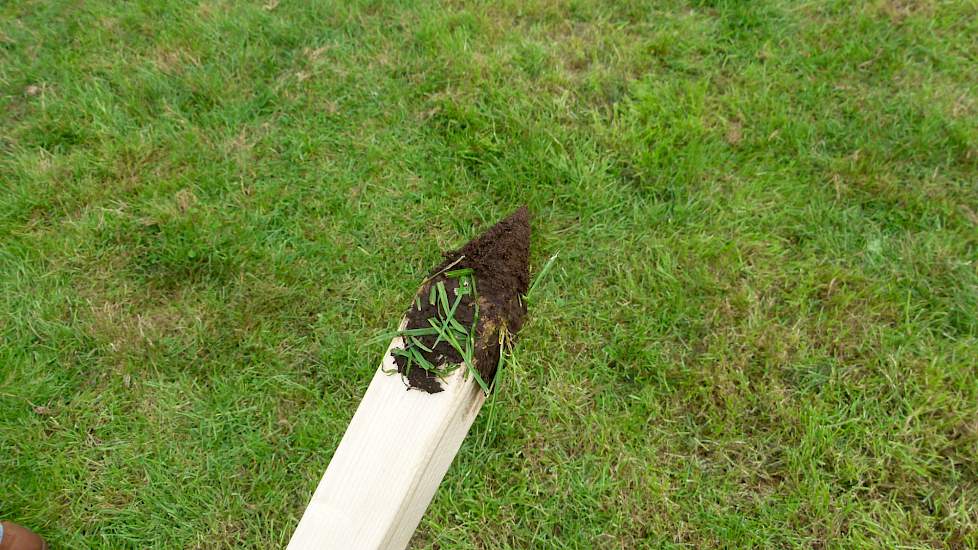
(499, 259)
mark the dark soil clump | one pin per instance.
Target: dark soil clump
(499, 259)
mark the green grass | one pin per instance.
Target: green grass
(762, 329)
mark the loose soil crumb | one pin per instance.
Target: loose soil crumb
(499, 259)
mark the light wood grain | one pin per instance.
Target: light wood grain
(389, 463)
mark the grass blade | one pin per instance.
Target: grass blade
(455, 273)
(542, 274)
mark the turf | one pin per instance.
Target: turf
(761, 331)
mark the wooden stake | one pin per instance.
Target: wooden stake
(389, 463)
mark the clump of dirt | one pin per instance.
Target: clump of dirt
(500, 260)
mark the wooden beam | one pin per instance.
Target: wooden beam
(389, 463)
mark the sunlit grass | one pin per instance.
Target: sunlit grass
(761, 329)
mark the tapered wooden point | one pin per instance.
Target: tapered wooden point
(401, 442)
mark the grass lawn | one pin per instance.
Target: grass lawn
(762, 329)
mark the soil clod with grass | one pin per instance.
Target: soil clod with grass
(468, 307)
